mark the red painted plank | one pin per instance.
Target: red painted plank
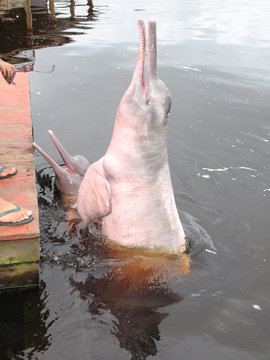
(16, 151)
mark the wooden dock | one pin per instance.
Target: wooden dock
(19, 245)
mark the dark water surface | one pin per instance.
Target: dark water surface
(214, 57)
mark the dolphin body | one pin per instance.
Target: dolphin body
(130, 187)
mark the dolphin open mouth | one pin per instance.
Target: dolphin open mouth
(57, 169)
(138, 79)
(67, 158)
(151, 72)
(63, 152)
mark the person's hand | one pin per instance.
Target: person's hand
(6, 68)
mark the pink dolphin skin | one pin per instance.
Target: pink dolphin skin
(130, 187)
(67, 179)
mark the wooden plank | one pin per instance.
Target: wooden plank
(16, 151)
(19, 276)
(18, 252)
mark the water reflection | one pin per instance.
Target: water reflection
(135, 292)
(41, 24)
(23, 322)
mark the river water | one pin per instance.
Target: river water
(214, 57)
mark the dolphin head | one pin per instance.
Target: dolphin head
(68, 179)
(146, 101)
(76, 164)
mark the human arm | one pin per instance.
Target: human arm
(6, 68)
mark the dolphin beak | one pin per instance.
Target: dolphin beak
(67, 158)
(152, 52)
(141, 54)
(138, 83)
(59, 171)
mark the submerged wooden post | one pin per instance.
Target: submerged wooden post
(19, 245)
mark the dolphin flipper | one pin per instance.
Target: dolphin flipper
(94, 196)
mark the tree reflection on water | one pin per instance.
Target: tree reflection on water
(26, 25)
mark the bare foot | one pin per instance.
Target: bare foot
(5, 171)
(16, 216)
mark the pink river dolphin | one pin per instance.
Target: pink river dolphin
(130, 187)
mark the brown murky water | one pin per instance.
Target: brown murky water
(214, 57)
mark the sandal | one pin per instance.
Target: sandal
(2, 168)
(17, 223)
